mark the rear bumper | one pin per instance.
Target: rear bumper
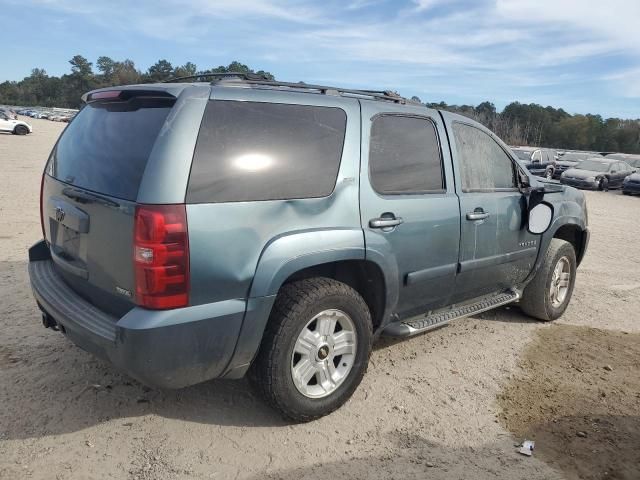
(584, 184)
(163, 348)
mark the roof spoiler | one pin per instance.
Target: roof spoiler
(123, 94)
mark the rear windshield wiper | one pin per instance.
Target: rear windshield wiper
(86, 197)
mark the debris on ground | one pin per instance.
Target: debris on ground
(527, 447)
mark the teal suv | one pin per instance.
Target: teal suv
(227, 226)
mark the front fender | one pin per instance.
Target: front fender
(569, 211)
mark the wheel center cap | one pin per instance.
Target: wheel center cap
(323, 352)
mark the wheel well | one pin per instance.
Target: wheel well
(363, 276)
(575, 236)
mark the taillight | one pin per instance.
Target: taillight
(44, 234)
(161, 256)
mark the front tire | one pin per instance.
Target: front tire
(315, 349)
(549, 293)
(603, 186)
(21, 130)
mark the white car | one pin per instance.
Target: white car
(17, 127)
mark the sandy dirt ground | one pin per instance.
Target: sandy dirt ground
(437, 406)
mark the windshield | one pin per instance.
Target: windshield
(523, 155)
(594, 166)
(106, 147)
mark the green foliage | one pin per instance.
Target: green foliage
(40, 89)
(517, 124)
(160, 71)
(521, 124)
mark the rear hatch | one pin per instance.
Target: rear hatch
(89, 193)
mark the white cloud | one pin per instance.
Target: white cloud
(422, 5)
(474, 50)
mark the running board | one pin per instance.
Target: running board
(421, 323)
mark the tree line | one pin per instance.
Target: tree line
(517, 124)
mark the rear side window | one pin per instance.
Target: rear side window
(248, 151)
(484, 166)
(404, 156)
(106, 147)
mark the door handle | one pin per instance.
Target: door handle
(477, 214)
(385, 222)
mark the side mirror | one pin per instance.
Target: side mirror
(540, 213)
(540, 218)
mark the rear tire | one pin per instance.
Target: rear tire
(548, 174)
(21, 130)
(547, 296)
(296, 308)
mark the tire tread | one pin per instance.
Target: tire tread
(289, 306)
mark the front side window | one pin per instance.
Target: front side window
(404, 156)
(484, 166)
(252, 151)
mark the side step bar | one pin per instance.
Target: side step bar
(424, 323)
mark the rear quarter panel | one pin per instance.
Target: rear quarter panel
(230, 243)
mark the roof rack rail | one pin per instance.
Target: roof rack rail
(257, 79)
(242, 75)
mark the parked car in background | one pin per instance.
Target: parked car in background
(59, 117)
(597, 174)
(570, 160)
(539, 161)
(629, 158)
(17, 127)
(631, 184)
(203, 230)
(8, 113)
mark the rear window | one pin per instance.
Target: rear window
(248, 151)
(106, 147)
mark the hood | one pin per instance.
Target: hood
(578, 173)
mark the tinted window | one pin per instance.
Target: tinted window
(266, 151)
(484, 166)
(106, 147)
(404, 155)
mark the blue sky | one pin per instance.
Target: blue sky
(582, 55)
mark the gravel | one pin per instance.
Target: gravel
(446, 381)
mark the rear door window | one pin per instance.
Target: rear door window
(404, 155)
(249, 151)
(106, 147)
(484, 165)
